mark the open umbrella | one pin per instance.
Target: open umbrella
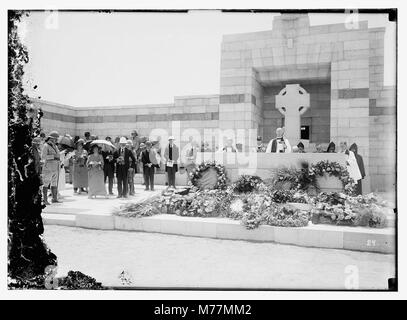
(103, 142)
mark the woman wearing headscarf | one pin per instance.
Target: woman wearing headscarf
(331, 148)
(359, 160)
(301, 147)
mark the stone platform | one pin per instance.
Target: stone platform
(79, 211)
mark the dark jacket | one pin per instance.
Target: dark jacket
(37, 160)
(147, 157)
(359, 159)
(127, 156)
(109, 164)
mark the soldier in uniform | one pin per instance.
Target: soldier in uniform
(50, 156)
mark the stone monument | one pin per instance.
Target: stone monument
(292, 102)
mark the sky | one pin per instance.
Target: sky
(107, 59)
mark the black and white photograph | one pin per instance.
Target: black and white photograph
(202, 149)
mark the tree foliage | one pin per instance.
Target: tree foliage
(27, 252)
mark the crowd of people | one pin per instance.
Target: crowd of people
(93, 163)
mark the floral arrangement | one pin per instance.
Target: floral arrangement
(341, 208)
(295, 179)
(220, 169)
(286, 178)
(306, 178)
(120, 160)
(336, 170)
(235, 210)
(146, 208)
(95, 164)
(203, 203)
(336, 213)
(285, 216)
(284, 196)
(196, 203)
(264, 205)
(254, 207)
(247, 183)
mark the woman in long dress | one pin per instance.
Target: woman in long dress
(96, 174)
(80, 173)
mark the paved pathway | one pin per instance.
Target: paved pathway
(155, 260)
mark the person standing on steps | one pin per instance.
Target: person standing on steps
(171, 156)
(132, 168)
(279, 144)
(122, 158)
(95, 166)
(149, 161)
(361, 166)
(351, 163)
(189, 155)
(50, 156)
(80, 173)
(108, 168)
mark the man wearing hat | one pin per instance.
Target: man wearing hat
(135, 139)
(122, 158)
(51, 157)
(149, 161)
(132, 168)
(171, 156)
(109, 165)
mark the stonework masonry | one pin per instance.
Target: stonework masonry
(340, 67)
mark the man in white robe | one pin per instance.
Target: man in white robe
(279, 144)
(351, 162)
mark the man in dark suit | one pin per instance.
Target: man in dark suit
(149, 160)
(171, 156)
(122, 158)
(109, 166)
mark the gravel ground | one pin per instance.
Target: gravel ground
(158, 260)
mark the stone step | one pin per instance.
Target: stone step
(318, 236)
(57, 219)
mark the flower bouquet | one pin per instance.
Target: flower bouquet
(120, 160)
(247, 183)
(285, 216)
(95, 164)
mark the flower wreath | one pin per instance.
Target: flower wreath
(336, 170)
(220, 169)
(302, 179)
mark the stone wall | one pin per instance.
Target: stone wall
(187, 116)
(361, 109)
(317, 116)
